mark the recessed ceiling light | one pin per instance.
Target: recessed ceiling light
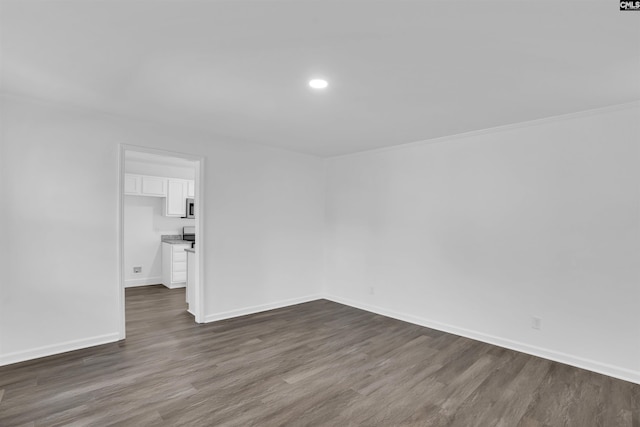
(318, 83)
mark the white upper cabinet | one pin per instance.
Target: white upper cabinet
(143, 185)
(132, 184)
(154, 186)
(177, 191)
(191, 189)
(176, 197)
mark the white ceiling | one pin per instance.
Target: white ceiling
(399, 71)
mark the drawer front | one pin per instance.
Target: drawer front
(179, 276)
(179, 263)
(179, 266)
(180, 256)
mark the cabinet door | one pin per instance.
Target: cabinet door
(154, 186)
(179, 268)
(191, 189)
(132, 184)
(176, 197)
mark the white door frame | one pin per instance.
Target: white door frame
(198, 310)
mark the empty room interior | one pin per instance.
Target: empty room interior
(322, 213)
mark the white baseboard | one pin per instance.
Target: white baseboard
(259, 308)
(144, 281)
(175, 285)
(568, 359)
(50, 350)
(580, 362)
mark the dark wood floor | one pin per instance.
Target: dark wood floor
(318, 363)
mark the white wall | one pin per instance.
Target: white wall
(3, 248)
(267, 225)
(472, 234)
(169, 171)
(144, 225)
(477, 234)
(262, 227)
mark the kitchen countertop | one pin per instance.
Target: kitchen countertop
(193, 251)
(174, 239)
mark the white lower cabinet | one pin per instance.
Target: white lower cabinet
(174, 265)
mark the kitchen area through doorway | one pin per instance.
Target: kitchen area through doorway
(159, 241)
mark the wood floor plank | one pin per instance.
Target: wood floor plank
(318, 363)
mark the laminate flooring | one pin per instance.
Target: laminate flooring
(313, 364)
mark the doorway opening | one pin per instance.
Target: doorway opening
(160, 242)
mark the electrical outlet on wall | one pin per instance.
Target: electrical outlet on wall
(536, 322)
(137, 270)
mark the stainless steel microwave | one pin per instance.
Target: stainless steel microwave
(191, 211)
